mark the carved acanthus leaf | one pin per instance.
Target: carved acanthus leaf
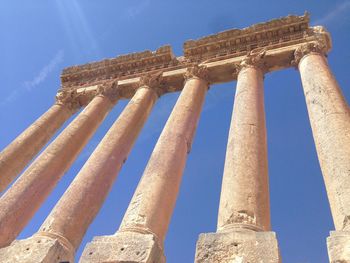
(109, 89)
(196, 71)
(68, 98)
(153, 81)
(313, 47)
(254, 58)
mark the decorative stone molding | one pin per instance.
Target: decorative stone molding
(153, 81)
(69, 98)
(56, 236)
(279, 37)
(309, 48)
(254, 59)
(124, 66)
(109, 89)
(235, 41)
(199, 72)
(141, 230)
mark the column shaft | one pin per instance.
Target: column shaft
(245, 193)
(22, 150)
(330, 122)
(154, 199)
(84, 197)
(20, 202)
(243, 231)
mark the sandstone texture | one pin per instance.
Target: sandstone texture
(339, 247)
(123, 247)
(238, 246)
(23, 199)
(36, 250)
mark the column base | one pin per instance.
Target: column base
(237, 246)
(36, 249)
(338, 244)
(123, 247)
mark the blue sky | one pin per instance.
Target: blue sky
(39, 38)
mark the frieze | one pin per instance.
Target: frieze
(220, 54)
(119, 67)
(244, 40)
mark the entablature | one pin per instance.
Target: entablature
(220, 54)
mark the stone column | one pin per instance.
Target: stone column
(81, 202)
(142, 232)
(22, 150)
(330, 122)
(243, 231)
(20, 202)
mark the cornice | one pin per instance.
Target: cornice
(277, 31)
(121, 67)
(219, 54)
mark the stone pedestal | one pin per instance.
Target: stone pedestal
(36, 249)
(131, 247)
(338, 244)
(237, 246)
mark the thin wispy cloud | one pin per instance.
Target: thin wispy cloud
(45, 71)
(77, 27)
(337, 13)
(136, 10)
(36, 81)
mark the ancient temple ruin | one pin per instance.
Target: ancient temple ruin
(243, 230)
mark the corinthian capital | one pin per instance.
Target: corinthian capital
(313, 47)
(254, 59)
(200, 72)
(153, 81)
(69, 98)
(109, 89)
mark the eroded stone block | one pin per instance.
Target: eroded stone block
(124, 247)
(237, 246)
(338, 244)
(36, 250)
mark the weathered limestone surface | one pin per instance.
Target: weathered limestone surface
(85, 196)
(154, 199)
(244, 212)
(243, 232)
(21, 201)
(37, 249)
(338, 244)
(123, 247)
(245, 191)
(330, 122)
(17, 155)
(239, 246)
(151, 207)
(218, 53)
